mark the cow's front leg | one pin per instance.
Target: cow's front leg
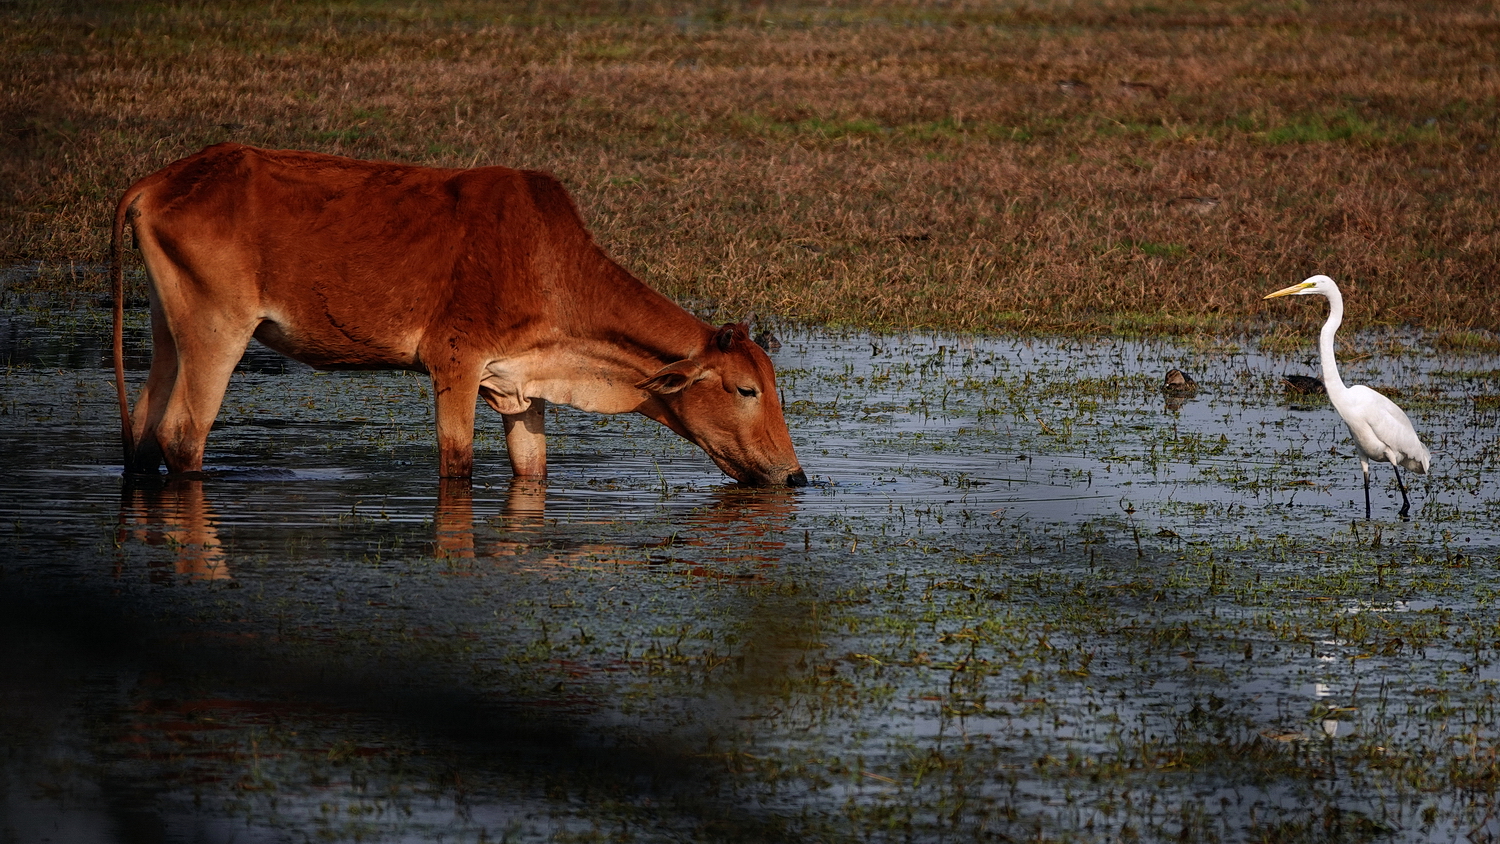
(526, 440)
(455, 398)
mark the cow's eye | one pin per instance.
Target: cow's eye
(749, 392)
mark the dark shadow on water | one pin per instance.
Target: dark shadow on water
(83, 645)
(116, 654)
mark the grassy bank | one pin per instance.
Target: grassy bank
(1079, 167)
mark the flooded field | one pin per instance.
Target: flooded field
(1027, 596)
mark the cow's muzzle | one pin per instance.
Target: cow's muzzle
(797, 478)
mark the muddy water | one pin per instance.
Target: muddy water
(1026, 595)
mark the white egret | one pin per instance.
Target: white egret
(1380, 429)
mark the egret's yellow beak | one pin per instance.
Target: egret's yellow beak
(1294, 289)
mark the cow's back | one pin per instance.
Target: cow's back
(354, 263)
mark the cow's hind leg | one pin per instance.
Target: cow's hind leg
(143, 455)
(203, 371)
(204, 309)
(198, 341)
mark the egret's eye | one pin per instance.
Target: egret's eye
(749, 392)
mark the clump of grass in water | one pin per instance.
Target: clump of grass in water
(1467, 342)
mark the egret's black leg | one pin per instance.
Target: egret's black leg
(1367, 495)
(1405, 504)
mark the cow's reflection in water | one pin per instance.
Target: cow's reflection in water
(453, 523)
(524, 511)
(174, 513)
(740, 524)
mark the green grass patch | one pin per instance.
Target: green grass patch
(1342, 126)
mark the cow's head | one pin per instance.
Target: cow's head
(724, 400)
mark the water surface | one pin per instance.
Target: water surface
(1027, 595)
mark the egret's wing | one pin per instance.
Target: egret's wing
(1389, 424)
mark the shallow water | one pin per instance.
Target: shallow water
(1023, 597)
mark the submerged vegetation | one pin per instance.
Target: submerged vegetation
(1078, 167)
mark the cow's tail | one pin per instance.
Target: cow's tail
(117, 285)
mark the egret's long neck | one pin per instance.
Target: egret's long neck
(1331, 380)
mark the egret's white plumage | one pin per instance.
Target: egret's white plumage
(1380, 429)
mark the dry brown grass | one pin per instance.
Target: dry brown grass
(893, 164)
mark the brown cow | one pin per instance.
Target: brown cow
(485, 279)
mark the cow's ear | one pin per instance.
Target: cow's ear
(672, 378)
(729, 332)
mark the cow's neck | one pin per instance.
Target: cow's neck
(653, 329)
(612, 338)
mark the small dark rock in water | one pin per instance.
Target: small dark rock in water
(1305, 384)
(766, 340)
(1179, 383)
